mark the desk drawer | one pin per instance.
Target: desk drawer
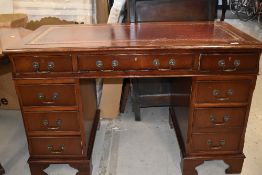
(206, 119)
(216, 142)
(43, 64)
(47, 95)
(55, 122)
(135, 62)
(229, 62)
(223, 91)
(55, 146)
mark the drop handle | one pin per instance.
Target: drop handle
(225, 120)
(216, 147)
(42, 98)
(222, 65)
(53, 151)
(57, 127)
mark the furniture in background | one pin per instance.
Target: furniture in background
(224, 9)
(2, 171)
(149, 92)
(171, 10)
(54, 74)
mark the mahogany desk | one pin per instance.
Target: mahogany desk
(55, 66)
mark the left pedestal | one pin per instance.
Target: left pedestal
(61, 118)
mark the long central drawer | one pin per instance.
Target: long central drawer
(135, 62)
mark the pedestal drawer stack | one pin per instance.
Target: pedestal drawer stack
(60, 119)
(220, 110)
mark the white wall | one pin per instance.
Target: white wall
(73, 10)
(6, 6)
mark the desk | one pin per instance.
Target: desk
(55, 66)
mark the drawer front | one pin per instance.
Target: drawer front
(135, 62)
(229, 62)
(211, 118)
(223, 91)
(51, 121)
(216, 142)
(55, 146)
(43, 64)
(47, 95)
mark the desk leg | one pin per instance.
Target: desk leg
(2, 171)
(37, 167)
(188, 166)
(235, 165)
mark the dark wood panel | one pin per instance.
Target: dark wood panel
(43, 64)
(55, 146)
(217, 119)
(48, 95)
(136, 62)
(223, 91)
(63, 122)
(175, 10)
(235, 62)
(213, 143)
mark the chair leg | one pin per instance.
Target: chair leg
(2, 171)
(125, 94)
(136, 110)
(224, 9)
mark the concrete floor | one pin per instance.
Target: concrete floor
(125, 147)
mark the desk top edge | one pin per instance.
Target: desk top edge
(140, 36)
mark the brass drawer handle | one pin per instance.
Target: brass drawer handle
(51, 149)
(216, 93)
(41, 97)
(222, 64)
(50, 67)
(99, 64)
(57, 127)
(36, 66)
(172, 62)
(229, 92)
(220, 146)
(213, 120)
(156, 62)
(115, 63)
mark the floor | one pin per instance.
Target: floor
(125, 147)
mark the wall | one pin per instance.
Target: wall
(6, 6)
(72, 10)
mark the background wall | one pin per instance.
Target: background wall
(72, 10)
(6, 6)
